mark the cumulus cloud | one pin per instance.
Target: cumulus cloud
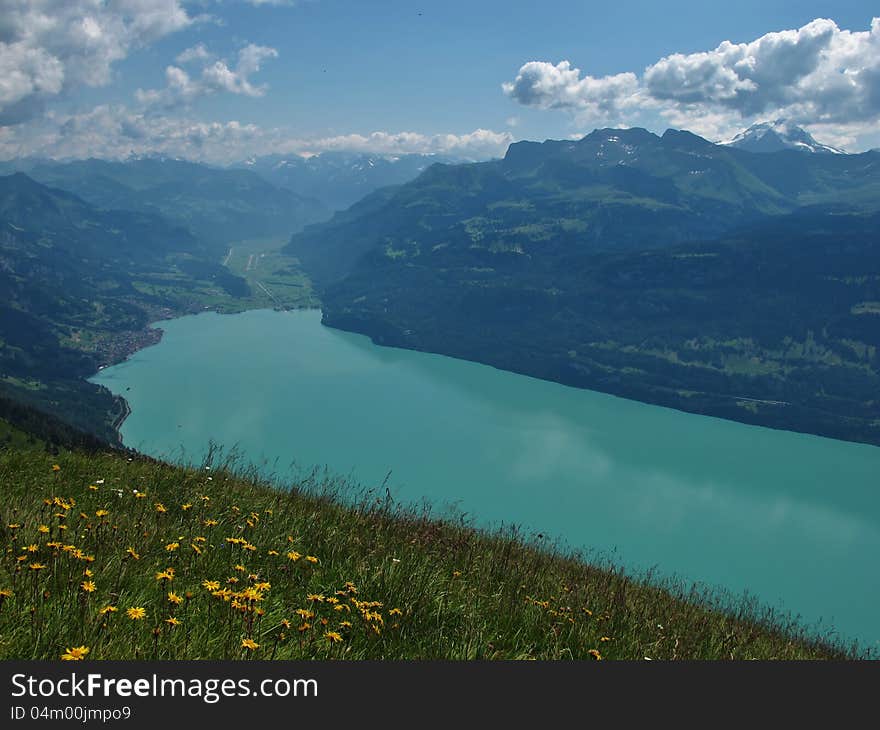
(48, 46)
(195, 54)
(818, 74)
(479, 144)
(116, 131)
(214, 76)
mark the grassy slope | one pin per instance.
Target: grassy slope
(407, 586)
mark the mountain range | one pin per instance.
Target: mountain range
(340, 179)
(219, 206)
(79, 284)
(663, 268)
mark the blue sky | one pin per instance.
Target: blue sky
(394, 76)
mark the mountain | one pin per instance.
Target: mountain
(339, 179)
(779, 135)
(219, 206)
(613, 189)
(78, 286)
(666, 269)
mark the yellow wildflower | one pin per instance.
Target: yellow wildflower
(333, 637)
(311, 559)
(595, 654)
(107, 609)
(88, 586)
(172, 546)
(75, 654)
(211, 585)
(174, 598)
(249, 644)
(161, 508)
(136, 613)
(173, 621)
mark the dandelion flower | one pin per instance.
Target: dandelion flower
(249, 644)
(172, 621)
(88, 586)
(101, 513)
(211, 585)
(43, 529)
(107, 609)
(75, 654)
(174, 598)
(293, 556)
(136, 613)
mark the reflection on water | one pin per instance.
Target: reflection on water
(790, 517)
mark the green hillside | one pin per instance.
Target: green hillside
(109, 556)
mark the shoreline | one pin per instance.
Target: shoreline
(152, 335)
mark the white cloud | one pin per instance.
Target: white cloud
(195, 54)
(548, 86)
(818, 75)
(49, 46)
(479, 144)
(114, 132)
(214, 76)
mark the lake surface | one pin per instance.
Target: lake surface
(794, 519)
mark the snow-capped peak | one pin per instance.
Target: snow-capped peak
(779, 135)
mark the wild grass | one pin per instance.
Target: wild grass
(109, 556)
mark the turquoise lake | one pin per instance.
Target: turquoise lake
(794, 519)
